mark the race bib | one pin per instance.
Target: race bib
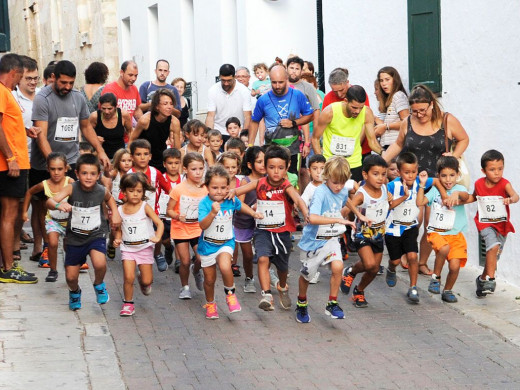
(273, 212)
(66, 129)
(342, 146)
(441, 219)
(163, 205)
(377, 213)
(190, 208)
(220, 230)
(136, 232)
(326, 232)
(59, 216)
(406, 213)
(150, 199)
(116, 191)
(491, 209)
(85, 220)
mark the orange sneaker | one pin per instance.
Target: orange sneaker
(84, 267)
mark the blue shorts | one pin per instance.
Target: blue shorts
(77, 255)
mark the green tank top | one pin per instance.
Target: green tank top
(342, 136)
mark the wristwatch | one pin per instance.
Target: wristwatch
(294, 123)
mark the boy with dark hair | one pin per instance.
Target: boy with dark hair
(87, 227)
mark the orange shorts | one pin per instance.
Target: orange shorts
(457, 243)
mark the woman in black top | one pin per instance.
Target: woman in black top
(180, 84)
(110, 123)
(422, 133)
(159, 126)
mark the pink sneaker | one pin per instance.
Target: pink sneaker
(232, 302)
(211, 311)
(127, 310)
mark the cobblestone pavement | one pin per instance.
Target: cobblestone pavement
(169, 344)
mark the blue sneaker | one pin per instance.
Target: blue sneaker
(160, 260)
(334, 310)
(391, 278)
(448, 296)
(74, 300)
(101, 293)
(302, 314)
(435, 286)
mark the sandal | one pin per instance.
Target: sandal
(23, 246)
(17, 256)
(25, 237)
(404, 265)
(35, 257)
(423, 266)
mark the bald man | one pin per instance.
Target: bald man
(284, 110)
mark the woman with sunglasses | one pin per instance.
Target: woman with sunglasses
(422, 133)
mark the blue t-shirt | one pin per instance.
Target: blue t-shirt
(396, 188)
(324, 202)
(147, 90)
(461, 222)
(273, 108)
(224, 219)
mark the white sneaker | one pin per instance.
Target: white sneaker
(249, 285)
(274, 277)
(185, 293)
(266, 303)
(316, 278)
(199, 277)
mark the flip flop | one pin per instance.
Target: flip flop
(23, 246)
(429, 272)
(17, 256)
(404, 266)
(25, 237)
(35, 257)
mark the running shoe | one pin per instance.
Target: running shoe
(160, 260)
(302, 313)
(381, 270)
(146, 290)
(448, 296)
(391, 278)
(45, 254)
(249, 285)
(413, 295)
(111, 254)
(17, 276)
(236, 270)
(127, 310)
(18, 267)
(101, 293)
(346, 280)
(168, 254)
(185, 293)
(266, 303)
(359, 299)
(199, 277)
(435, 285)
(74, 300)
(232, 302)
(52, 276)
(283, 294)
(211, 311)
(44, 263)
(332, 309)
(480, 288)
(274, 277)
(489, 286)
(177, 266)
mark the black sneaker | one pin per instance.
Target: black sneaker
(346, 280)
(480, 288)
(17, 276)
(359, 298)
(18, 267)
(52, 276)
(168, 254)
(236, 270)
(177, 265)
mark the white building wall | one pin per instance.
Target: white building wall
(198, 36)
(481, 86)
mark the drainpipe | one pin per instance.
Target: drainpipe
(321, 59)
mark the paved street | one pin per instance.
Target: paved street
(168, 344)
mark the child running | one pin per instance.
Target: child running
(370, 205)
(137, 238)
(217, 242)
(55, 220)
(319, 243)
(87, 227)
(183, 209)
(275, 199)
(402, 224)
(244, 225)
(494, 194)
(195, 131)
(446, 224)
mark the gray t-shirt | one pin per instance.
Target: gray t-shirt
(63, 114)
(310, 92)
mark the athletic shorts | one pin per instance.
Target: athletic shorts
(167, 226)
(77, 255)
(356, 174)
(492, 238)
(209, 260)
(276, 246)
(192, 241)
(407, 243)
(143, 256)
(457, 243)
(377, 244)
(51, 226)
(312, 260)
(295, 163)
(243, 235)
(13, 187)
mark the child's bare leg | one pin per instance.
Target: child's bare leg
(183, 249)
(263, 273)
(99, 262)
(235, 255)
(196, 264)
(371, 263)
(247, 258)
(71, 276)
(282, 276)
(224, 265)
(440, 258)
(413, 267)
(491, 262)
(303, 284)
(336, 268)
(454, 267)
(129, 278)
(392, 264)
(54, 239)
(210, 275)
(146, 272)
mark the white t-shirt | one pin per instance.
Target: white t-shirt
(399, 103)
(227, 105)
(26, 106)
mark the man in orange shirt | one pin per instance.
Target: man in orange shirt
(14, 165)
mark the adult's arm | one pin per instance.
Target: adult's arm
(456, 131)
(324, 120)
(90, 135)
(41, 140)
(369, 131)
(138, 113)
(14, 169)
(142, 124)
(253, 129)
(175, 132)
(247, 119)
(127, 122)
(398, 145)
(210, 119)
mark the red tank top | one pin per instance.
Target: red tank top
(498, 190)
(265, 191)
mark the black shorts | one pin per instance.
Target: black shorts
(36, 176)
(276, 246)
(295, 163)
(192, 241)
(377, 244)
(356, 174)
(13, 187)
(167, 226)
(407, 243)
